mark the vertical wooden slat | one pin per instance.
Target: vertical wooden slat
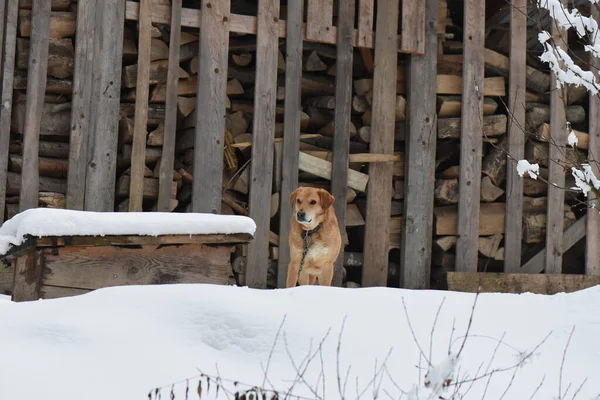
(319, 18)
(470, 141)
(36, 89)
(366, 9)
(592, 244)
(417, 224)
(165, 173)
(81, 112)
(28, 274)
(343, 104)
(101, 173)
(291, 132)
(379, 188)
(211, 98)
(263, 130)
(10, 43)
(413, 27)
(556, 173)
(140, 126)
(516, 136)
(2, 19)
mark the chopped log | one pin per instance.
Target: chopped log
(451, 106)
(152, 154)
(583, 138)
(53, 167)
(147, 171)
(494, 163)
(327, 102)
(242, 59)
(446, 191)
(322, 169)
(159, 50)
(400, 110)
(497, 63)
(538, 152)
(62, 24)
(398, 193)
(237, 123)
(158, 73)
(534, 187)
(489, 191)
(314, 63)
(534, 226)
(538, 113)
(53, 85)
(157, 136)
(359, 104)
(535, 204)
(47, 149)
(329, 129)
(452, 84)
(186, 105)
(234, 87)
(362, 86)
(353, 216)
(156, 112)
(274, 204)
(489, 245)
(451, 173)
(47, 184)
(53, 200)
(491, 219)
(150, 187)
(20, 97)
(125, 130)
(60, 57)
(55, 119)
(493, 125)
(445, 243)
(56, 5)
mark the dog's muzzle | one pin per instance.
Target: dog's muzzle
(301, 217)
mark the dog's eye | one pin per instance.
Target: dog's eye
(299, 201)
(313, 202)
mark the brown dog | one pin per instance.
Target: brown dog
(315, 240)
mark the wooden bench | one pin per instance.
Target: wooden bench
(58, 265)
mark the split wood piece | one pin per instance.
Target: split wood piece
(399, 111)
(47, 149)
(491, 219)
(53, 167)
(50, 98)
(447, 191)
(534, 225)
(147, 171)
(60, 56)
(497, 63)
(445, 243)
(46, 184)
(489, 245)
(156, 112)
(313, 63)
(539, 152)
(489, 282)
(452, 84)
(244, 145)
(150, 186)
(322, 168)
(56, 5)
(489, 191)
(493, 164)
(583, 138)
(159, 50)
(538, 113)
(242, 59)
(62, 24)
(493, 125)
(157, 136)
(158, 73)
(55, 119)
(451, 106)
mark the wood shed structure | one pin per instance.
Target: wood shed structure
(226, 106)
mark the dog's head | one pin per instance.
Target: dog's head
(309, 205)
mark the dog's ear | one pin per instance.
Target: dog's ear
(326, 198)
(293, 196)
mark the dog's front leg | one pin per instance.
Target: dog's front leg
(292, 274)
(326, 276)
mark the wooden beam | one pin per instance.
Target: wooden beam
(36, 89)
(488, 282)
(470, 143)
(291, 131)
(81, 112)
(417, 224)
(210, 107)
(572, 235)
(343, 108)
(140, 124)
(323, 168)
(366, 10)
(516, 135)
(10, 46)
(556, 173)
(246, 24)
(167, 160)
(263, 133)
(413, 27)
(379, 191)
(592, 244)
(319, 19)
(28, 270)
(101, 173)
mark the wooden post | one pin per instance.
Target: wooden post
(263, 128)
(413, 27)
(592, 244)
(28, 275)
(516, 136)
(556, 173)
(101, 173)
(10, 45)
(379, 189)
(2, 18)
(470, 141)
(36, 89)
(291, 132)
(81, 113)
(417, 224)
(210, 109)
(343, 108)
(140, 127)
(167, 161)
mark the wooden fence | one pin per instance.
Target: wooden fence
(360, 24)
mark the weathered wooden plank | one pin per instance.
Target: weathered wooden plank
(319, 19)
(417, 225)
(323, 168)
(343, 109)
(592, 244)
(291, 131)
(96, 267)
(212, 96)
(36, 88)
(101, 172)
(516, 136)
(366, 9)
(263, 129)
(56, 292)
(10, 45)
(556, 173)
(413, 27)
(488, 282)
(379, 190)
(125, 240)
(142, 90)
(165, 173)
(239, 24)
(470, 143)
(572, 235)
(2, 19)
(28, 271)
(81, 111)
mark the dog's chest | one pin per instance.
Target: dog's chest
(317, 251)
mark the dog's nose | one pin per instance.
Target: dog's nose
(300, 214)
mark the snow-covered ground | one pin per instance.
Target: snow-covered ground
(119, 343)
